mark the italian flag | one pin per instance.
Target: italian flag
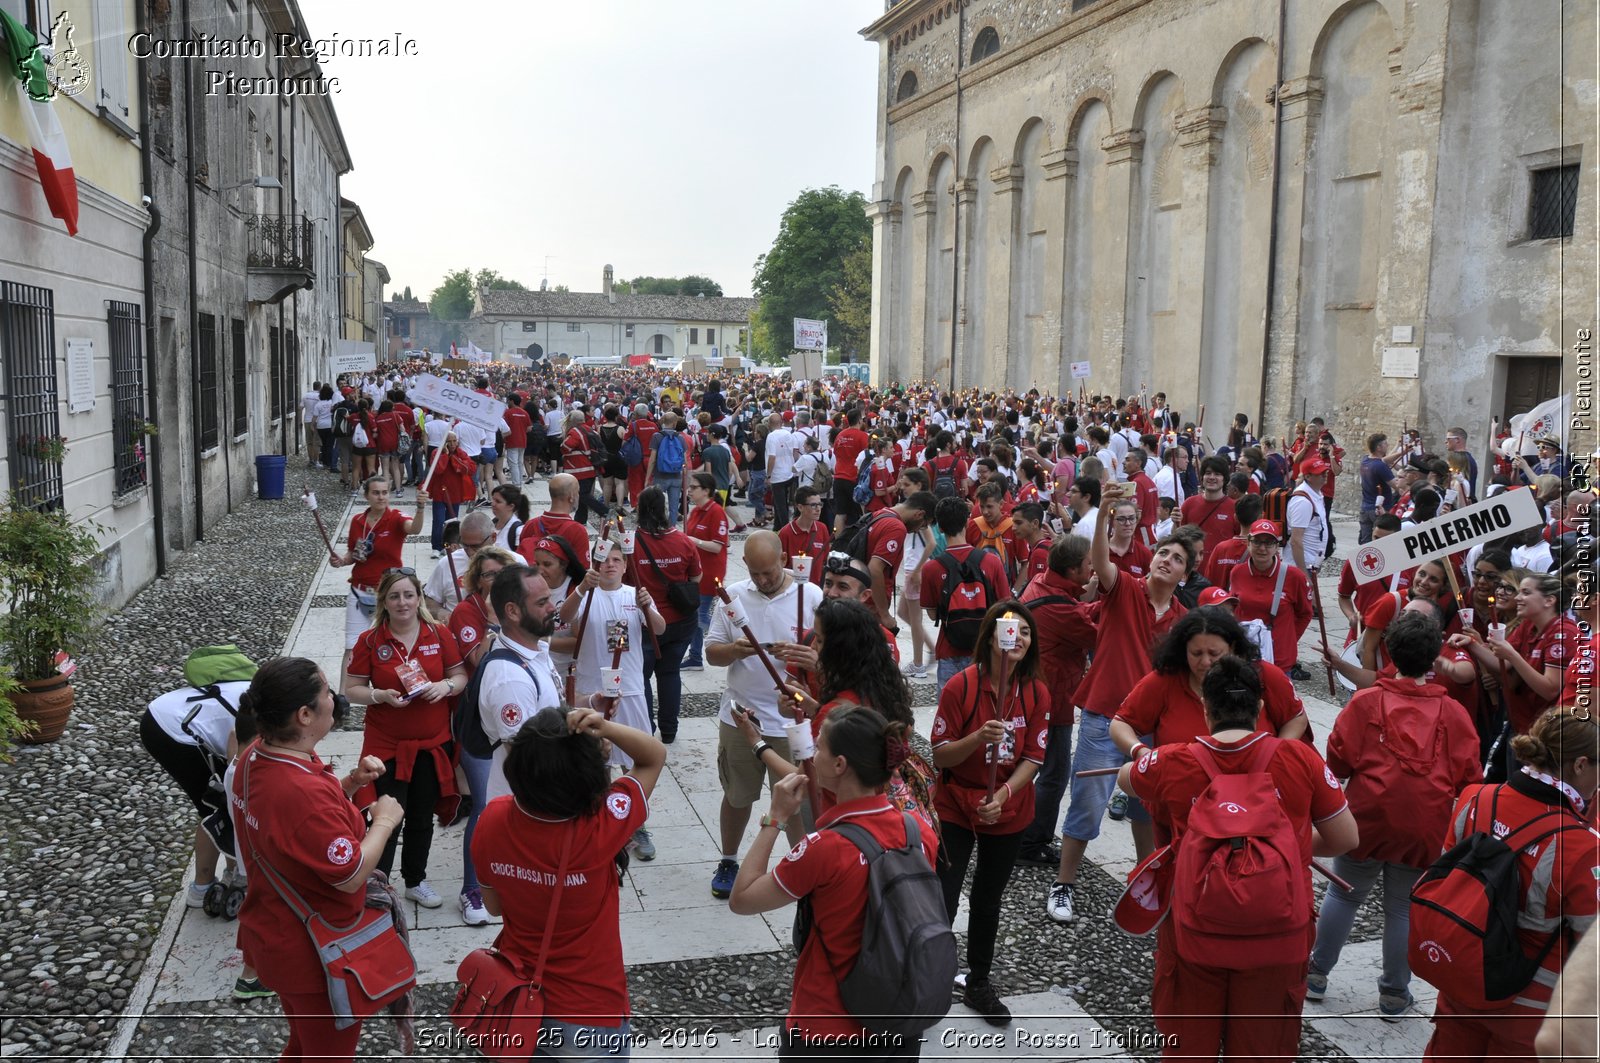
(20, 52)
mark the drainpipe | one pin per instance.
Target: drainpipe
(152, 363)
(955, 194)
(1272, 223)
(194, 293)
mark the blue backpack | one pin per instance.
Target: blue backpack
(669, 454)
(632, 453)
(862, 493)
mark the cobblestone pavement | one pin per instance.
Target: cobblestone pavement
(101, 959)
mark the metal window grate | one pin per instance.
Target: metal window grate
(28, 346)
(241, 381)
(207, 339)
(275, 383)
(291, 374)
(127, 397)
(1553, 202)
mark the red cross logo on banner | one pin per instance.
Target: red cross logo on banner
(1369, 559)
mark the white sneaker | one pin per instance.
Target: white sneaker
(424, 895)
(194, 895)
(473, 913)
(1059, 903)
(914, 671)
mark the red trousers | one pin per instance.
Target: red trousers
(635, 483)
(311, 1032)
(1460, 1034)
(1209, 1012)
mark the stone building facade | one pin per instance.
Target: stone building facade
(1255, 205)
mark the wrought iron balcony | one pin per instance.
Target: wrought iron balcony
(280, 251)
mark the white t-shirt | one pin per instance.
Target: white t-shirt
(772, 620)
(1536, 558)
(509, 696)
(308, 405)
(1169, 484)
(1305, 511)
(613, 616)
(440, 587)
(781, 448)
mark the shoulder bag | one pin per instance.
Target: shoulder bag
(498, 1009)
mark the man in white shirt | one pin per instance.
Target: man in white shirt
(1308, 528)
(442, 592)
(1169, 479)
(769, 601)
(783, 446)
(512, 692)
(308, 421)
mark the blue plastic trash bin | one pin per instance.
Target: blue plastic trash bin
(269, 475)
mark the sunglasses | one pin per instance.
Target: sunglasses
(403, 571)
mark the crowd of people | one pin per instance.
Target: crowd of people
(1113, 608)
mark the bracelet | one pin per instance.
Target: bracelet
(758, 749)
(768, 821)
(1009, 794)
(1133, 754)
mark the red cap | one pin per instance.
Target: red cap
(548, 545)
(1148, 897)
(1314, 466)
(1265, 527)
(1218, 595)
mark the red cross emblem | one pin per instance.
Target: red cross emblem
(1370, 561)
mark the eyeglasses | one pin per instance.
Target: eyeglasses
(1126, 520)
(479, 545)
(811, 505)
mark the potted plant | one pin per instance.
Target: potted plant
(47, 585)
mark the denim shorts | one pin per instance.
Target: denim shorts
(1088, 798)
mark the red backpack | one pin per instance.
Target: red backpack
(1241, 899)
(966, 599)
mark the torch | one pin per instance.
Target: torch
(310, 499)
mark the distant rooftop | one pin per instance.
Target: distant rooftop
(499, 302)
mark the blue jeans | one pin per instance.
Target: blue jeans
(697, 643)
(1339, 915)
(1050, 784)
(1086, 806)
(781, 512)
(672, 487)
(1367, 517)
(576, 1043)
(477, 772)
(756, 492)
(442, 512)
(948, 668)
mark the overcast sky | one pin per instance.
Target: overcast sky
(663, 138)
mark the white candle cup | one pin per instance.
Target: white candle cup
(1466, 616)
(801, 566)
(801, 745)
(1497, 631)
(627, 541)
(1006, 632)
(734, 610)
(611, 682)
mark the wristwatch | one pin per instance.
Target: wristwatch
(768, 821)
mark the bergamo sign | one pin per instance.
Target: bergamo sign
(1457, 531)
(452, 400)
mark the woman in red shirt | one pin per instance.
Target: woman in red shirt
(364, 440)
(663, 557)
(1129, 555)
(374, 546)
(295, 814)
(883, 475)
(977, 721)
(564, 812)
(1196, 1002)
(407, 670)
(455, 480)
(857, 753)
(707, 528)
(386, 437)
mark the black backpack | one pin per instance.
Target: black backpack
(900, 984)
(966, 598)
(855, 541)
(466, 725)
(944, 479)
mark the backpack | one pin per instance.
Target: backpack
(1241, 895)
(1275, 507)
(822, 479)
(861, 494)
(996, 541)
(207, 666)
(341, 420)
(944, 479)
(359, 436)
(1464, 909)
(900, 984)
(967, 597)
(466, 724)
(632, 451)
(855, 540)
(669, 454)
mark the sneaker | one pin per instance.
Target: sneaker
(1059, 904)
(692, 666)
(1298, 672)
(981, 998)
(437, 554)
(722, 880)
(1040, 856)
(914, 671)
(1316, 986)
(642, 846)
(473, 913)
(194, 895)
(424, 895)
(1118, 809)
(737, 528)
(1391, 1006)
(250, 989)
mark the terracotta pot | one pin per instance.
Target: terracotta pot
(48, 703)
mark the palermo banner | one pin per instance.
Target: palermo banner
(1461, 529)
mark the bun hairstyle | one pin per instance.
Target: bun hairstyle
(1232, 691)
(552, 771)
(869, 743)
(1558, 738)
(279, 689)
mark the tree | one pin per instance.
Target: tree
(693, 284)
(407, 294)
(818, 232)
(851, 302)
(452, 300)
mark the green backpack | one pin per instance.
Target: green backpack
(209, 665)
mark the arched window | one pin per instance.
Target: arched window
(908, 88)
(987, 44)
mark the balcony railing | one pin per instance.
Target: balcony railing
(280, 242)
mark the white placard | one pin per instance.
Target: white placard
(80, 376)
(453, 400)
(1401, 361)
(810, 335)
(346, 362)
(1460, 530)
(1402, 334)
(1080, 370)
